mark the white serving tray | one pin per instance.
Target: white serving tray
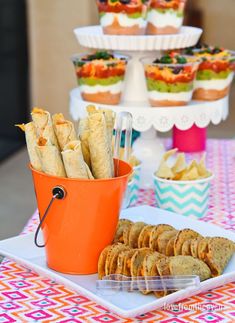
(22, 250)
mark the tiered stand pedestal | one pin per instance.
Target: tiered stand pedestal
(189, 123)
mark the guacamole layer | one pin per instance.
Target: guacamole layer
(134, 15)
(161, 86)
(206, 75)
(91, 81)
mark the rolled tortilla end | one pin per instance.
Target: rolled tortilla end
(100, 152)
(57, 117)
(43, 124)
(31, 142)
(83, 132)
(41, 118)
(65, 132)
(74, 162)
(50, 158)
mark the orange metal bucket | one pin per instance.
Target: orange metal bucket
(78, 227)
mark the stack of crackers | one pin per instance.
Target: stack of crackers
(140, 249)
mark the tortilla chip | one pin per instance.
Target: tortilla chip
(216, 253)
(149, 261)
(122, 223)
(180, 164)
(181, 237)
(163, 270)
(186, 248)
(143, 240)
(137, 260)
(187, 265)
(126, 232)
(163, 240)
(113, 263)
(190, 174)
(120, 261)
(102, 261)
(135, 230)
(115, 248)
(127, 262)
(134, 161)
(170, 247)
(202, 247)
(201, 167)
(164, 171)
(194, 247)
(169, 153)
(160, 228)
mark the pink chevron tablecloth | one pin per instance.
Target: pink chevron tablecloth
(27, 297)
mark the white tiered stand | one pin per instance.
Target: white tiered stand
(148, 148)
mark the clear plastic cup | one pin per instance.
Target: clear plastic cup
(170, 84)
(123, 17)
(101, 80)
(214, 76)
(165, 17)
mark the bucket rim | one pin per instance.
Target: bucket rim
(84, 179)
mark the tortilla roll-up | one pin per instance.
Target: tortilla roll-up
(41, 118)
(74, 163)
(50, 157)
(83, 132)
(31, 141)
(100, 152)
(43, 124)
(57, 117)
(65, 131)
(110, 121)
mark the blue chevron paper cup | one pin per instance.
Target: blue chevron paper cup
(189, 198)
(136, 186)
(131, 195)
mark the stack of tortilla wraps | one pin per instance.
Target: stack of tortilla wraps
(145, 250)
(56, 149)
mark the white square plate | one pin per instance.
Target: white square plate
(22, 250)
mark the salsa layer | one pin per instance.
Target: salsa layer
(121, 8)
(161, 86)
(184, 74)
(163, 4)
(92, 81)
(215, 65)
(204, 75)
(101, 70)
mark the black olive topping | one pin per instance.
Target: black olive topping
(125, 1)
(177, 70)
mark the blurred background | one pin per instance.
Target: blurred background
(37, 41)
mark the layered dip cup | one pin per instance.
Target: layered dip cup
(215, 72)
(100, 76)
(123, 17)
(170, 79)
(165, 16)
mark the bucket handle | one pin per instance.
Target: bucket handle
(59, 193)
